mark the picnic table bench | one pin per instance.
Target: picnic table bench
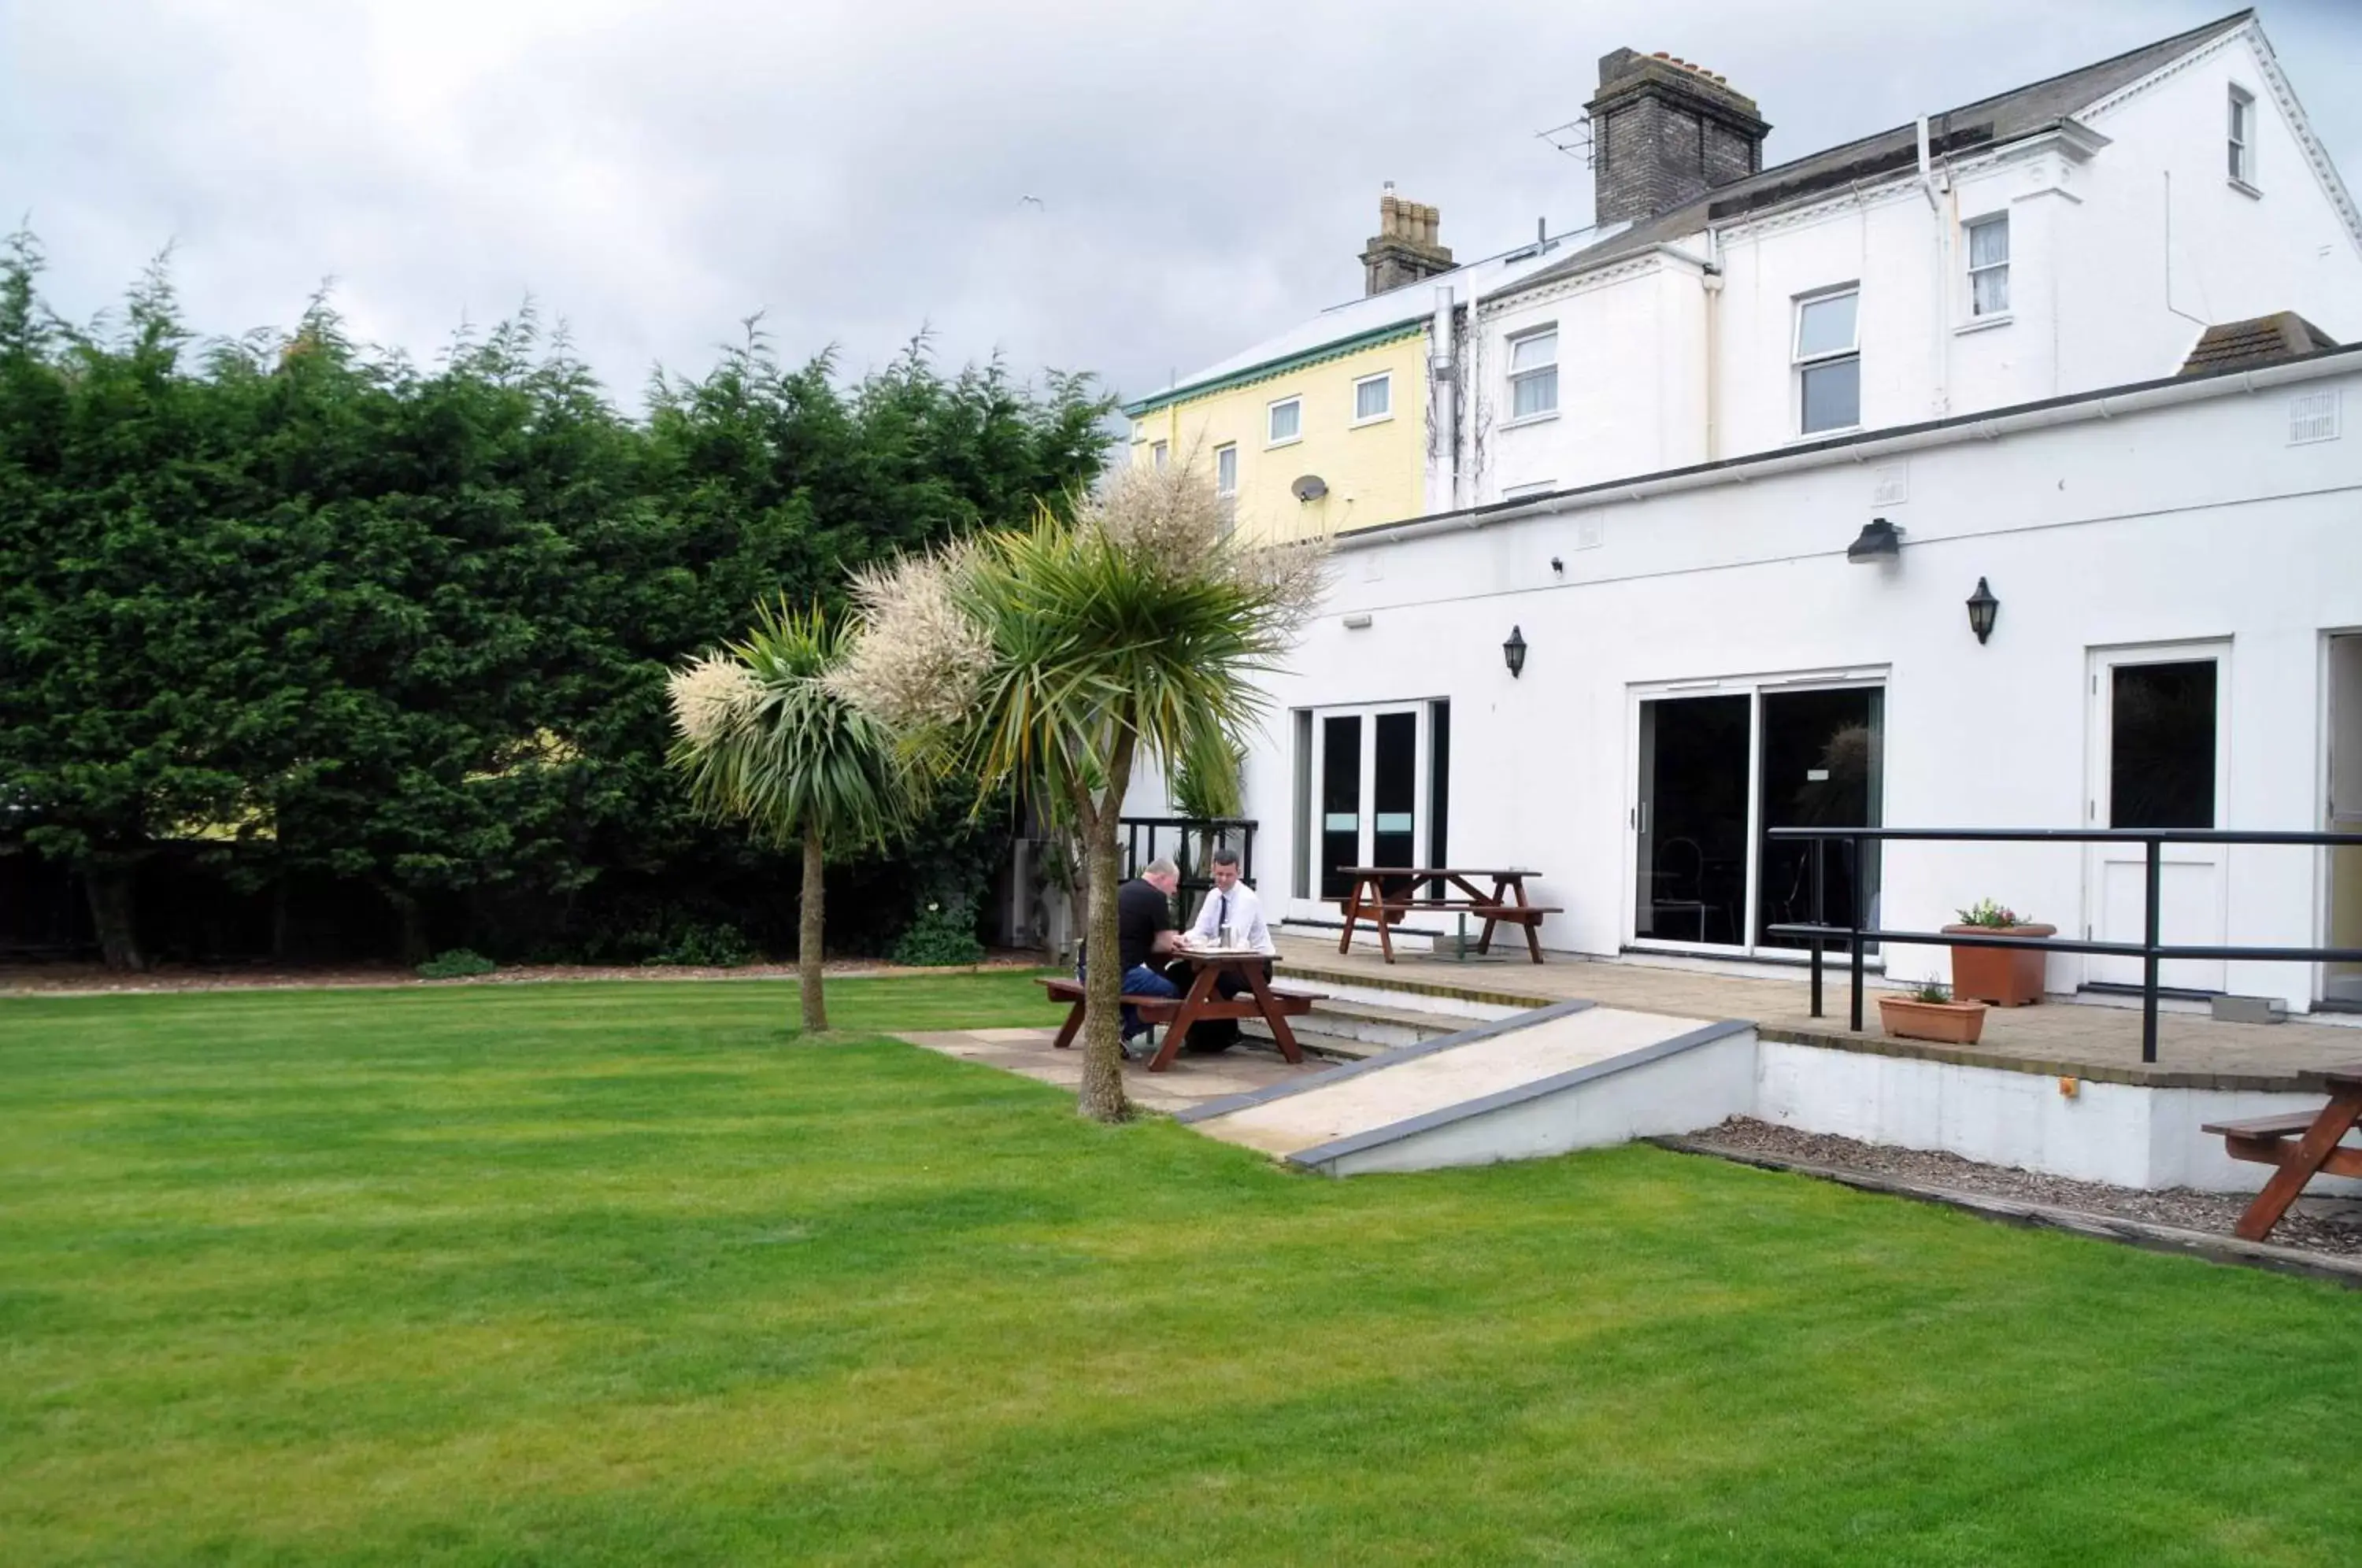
(1273, 1004)
(1383, 895)
(2301, 1143)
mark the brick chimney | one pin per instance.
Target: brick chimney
(1663, 133)
(1403, 250)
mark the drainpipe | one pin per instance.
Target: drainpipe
(1711, 281)
(1445, 441)
(1939, 352)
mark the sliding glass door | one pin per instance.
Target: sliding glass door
(1719, 766)
(1692, 820)
(1821, 758)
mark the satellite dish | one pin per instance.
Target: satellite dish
(1311, 487)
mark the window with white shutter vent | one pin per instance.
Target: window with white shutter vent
(2312, 416)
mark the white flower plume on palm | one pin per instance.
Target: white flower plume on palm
(711, 697)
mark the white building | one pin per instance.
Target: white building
(2075, 234)
(2178, 644)
(2172, 531)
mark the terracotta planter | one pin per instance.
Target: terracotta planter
(1945, 1022)
(2004, 977)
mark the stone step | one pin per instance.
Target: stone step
(1369, 1026)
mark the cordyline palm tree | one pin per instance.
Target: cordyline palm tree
(765, 740)
(1056, 657)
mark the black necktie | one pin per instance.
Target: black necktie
(1222, 915)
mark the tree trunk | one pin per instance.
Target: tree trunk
(1102, 1095)
(413, 928)
(113, 910)
(1102, 1098)
(809, 936)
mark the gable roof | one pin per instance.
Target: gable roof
(2264, 340)
(2005, 117)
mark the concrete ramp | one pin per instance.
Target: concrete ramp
(1572, 1076)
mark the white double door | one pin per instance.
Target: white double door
(1371, 799)
(2159, 759)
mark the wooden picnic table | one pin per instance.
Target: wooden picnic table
(1202, 1001)
(1384, 894)
(2302, 1144)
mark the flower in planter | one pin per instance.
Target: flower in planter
(1932, 991)
(1986, 912)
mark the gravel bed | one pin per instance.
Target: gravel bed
(2316, 1224)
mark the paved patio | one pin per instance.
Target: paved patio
(2082, 1039)
(1191, 1080)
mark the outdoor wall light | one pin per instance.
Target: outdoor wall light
(1513, 652)
(1983, 607)
(1880, 541)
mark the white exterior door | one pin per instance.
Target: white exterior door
(2159, 748)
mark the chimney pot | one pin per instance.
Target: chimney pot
(1406, 248)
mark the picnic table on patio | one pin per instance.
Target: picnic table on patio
(1383, 895)
(1262, 1000)
(2301, 1145)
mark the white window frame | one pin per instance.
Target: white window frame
(1509, 357)
(1804, 362)
(1969, 256)
(1227, 450)
(1273, 407)
(1159, 453)
(1386, 377)
(2240, 137)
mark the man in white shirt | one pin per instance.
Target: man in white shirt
(1233, 903)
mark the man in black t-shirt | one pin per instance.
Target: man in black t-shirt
(1144, 935)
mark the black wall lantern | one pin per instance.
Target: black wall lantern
(1513, 653)
(1878, 541)
(1983, 607)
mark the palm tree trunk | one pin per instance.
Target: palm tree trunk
(1102, 1095)
(1102, 1098)
(808, 934)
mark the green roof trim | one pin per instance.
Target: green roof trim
(1270, 367)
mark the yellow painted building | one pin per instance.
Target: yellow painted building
(1327, 439)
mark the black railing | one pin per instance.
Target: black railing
(2150, 950)
(1190, 842)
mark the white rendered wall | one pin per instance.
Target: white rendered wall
(2199, 522)
(2121, 1133)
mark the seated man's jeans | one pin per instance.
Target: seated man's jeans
(1140, 980)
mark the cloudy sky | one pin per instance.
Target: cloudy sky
(1205, 173)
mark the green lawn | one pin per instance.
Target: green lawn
(626, 1273)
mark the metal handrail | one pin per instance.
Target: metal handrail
(2151, 951)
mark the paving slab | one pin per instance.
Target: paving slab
(1189, 1081)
